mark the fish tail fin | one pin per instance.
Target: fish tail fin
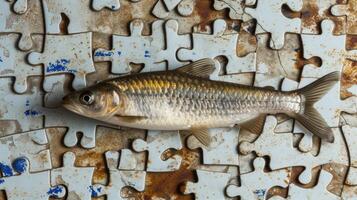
(309, 117)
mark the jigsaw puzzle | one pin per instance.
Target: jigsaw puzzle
(49, 48)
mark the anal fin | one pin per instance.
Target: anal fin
(254, 125)
(202, 135)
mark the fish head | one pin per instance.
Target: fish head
(100, 101)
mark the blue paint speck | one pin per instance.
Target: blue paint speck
(31, 112)
(20, 165)
(95, 191)
(2, 181)
(147, 54)
(260, 192)
(6, 170)
(1, 60)
(55, 191)
(27, 103)
(113, 7)
(59, 66)
(119, 53)
(103, 53)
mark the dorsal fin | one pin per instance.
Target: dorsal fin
(201, 68)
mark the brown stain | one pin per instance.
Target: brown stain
(339, 173)
(167, 184)
(349, 78)
(205, 11)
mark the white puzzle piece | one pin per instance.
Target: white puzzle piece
(236, 8)
(163, 8)
(270, 19)
(13, 63)
(255, 185)
(272, 144)
(29, 186)
(349, 192)
(209, 185)
(26, 24)
(67, 54)
(224, 142)
(78, 180)
(136, 48)
(55, 89)
(350, 11)
(218, 44)
(332, 54)
(118, 179)
(174, 42)
(157, 142)
(32, 145)
(20, 108)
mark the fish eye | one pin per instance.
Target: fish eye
(87, 98)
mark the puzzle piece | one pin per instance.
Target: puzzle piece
(219, 44)
(350, 134)
(255, 185)
(349, 192)
(174, 42)
(315, 11)
(78, 180)
(332, 54)
(29, 186)
(273, 65)
(118, 179)
(157, 142)
(55, 89)
(20, 6)
(26, 24)
(60, 117)
(100, 4)
(163, 8)
(272, 144)
(350, 11)
(317, 192)
(129, 160)
(236, 8)
(136, 48)
(32, 145)
(67, 54)
(224, 142)
(20, 108)
(209, 185)
(268, 11)
(13, 63)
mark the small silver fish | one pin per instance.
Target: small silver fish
(185, 99)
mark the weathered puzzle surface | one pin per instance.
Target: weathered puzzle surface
(49, 48)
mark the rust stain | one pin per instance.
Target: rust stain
(205, 11)
(339, 173)
(349, 78)
(166, 184)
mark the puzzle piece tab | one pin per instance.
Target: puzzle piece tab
(136, 48)
(219, 44)
(236, 7)
(118, 179)
(78, 180)
(270, 19)
(163, 8)
(224, 142)
(67, 54)
(255, 185)
(209, 185)
(29, 186)
(157, 142)
(32, 145)
(19, 6)
(100, 4)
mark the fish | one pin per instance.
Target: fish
(185, 99)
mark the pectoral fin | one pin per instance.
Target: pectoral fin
(254, 125)
(202, 135)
